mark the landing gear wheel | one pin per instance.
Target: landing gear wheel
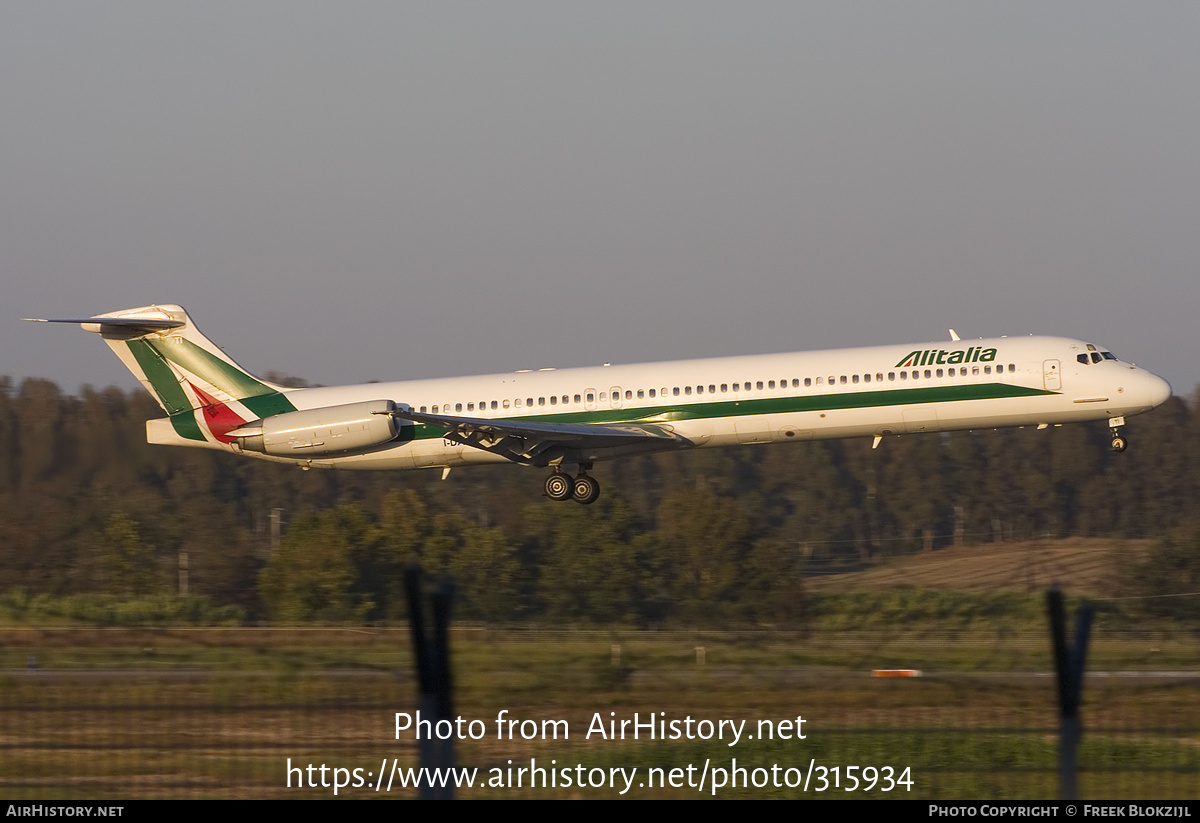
(587, 490)
(559, 486)
(1119, 444)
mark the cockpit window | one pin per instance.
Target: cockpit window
(1096, 357)
(1082, 358)
(1109, 355)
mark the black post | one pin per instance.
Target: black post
(432, 658)
(1070, 660)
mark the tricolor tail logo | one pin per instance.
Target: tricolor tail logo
(170, 363)
(218, 417)
(174, 365)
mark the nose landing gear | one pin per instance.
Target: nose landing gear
(1119, 442)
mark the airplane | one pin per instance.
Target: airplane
(552, 418)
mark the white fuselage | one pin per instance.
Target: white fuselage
(877, 391)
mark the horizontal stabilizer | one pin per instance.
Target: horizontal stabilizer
(145, 325)
(182, 369)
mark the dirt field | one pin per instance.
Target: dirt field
(1082, 566)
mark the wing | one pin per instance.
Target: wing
(541, 443)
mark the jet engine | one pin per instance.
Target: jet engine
(329, 430)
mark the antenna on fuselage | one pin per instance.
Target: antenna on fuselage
(954, 335)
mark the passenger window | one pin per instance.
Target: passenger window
(506, 404)
(687, 390)
(517, 402)
(675, 391)
(853, 379)
(642, 393)
(771, 384)
(422, 410)
(975, 371)
(891, 375)
(628, 394)
(577, 398)
(554, 400)
(458, 407)
(939, 372)
(759, 385)
(495, 404)
(470, 407)
(843, 379)
(866, 378)
(724, 388)
(807, 382)
(651, 393)
(712, 389)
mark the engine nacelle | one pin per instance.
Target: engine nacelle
(329, 430)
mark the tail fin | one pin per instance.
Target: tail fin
(185, 372)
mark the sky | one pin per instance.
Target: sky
(354, 191)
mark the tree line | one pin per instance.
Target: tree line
(706, 537)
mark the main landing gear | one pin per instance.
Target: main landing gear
(582, 489)
(1119, 442)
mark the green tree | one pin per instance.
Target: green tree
(315, 574)
(130, 564)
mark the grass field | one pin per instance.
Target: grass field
(182, 712)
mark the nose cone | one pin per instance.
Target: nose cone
(1161, 390)
(1152, 389)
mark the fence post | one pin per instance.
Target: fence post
(432, 657)
(1070, 659)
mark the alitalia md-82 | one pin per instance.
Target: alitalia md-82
(572, 418)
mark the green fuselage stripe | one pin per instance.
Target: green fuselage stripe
(772, 405)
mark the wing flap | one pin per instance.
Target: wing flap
(533, 441)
